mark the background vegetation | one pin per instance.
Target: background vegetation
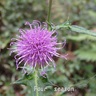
(80, 68)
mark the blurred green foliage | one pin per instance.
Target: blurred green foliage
(77, 71)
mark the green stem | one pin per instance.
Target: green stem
(49, 11)
(36, 82)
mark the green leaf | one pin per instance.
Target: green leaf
(74, 28)
(85, 54)
(82, 30)
(25, 79)
(81, 37)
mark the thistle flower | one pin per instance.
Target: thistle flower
(35, 46)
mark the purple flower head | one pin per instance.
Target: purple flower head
(36, 46)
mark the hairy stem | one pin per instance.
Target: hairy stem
(49, 11)
(36, 82)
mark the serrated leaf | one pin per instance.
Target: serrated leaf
(88, 55)
(82, 30)
(80, 37)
